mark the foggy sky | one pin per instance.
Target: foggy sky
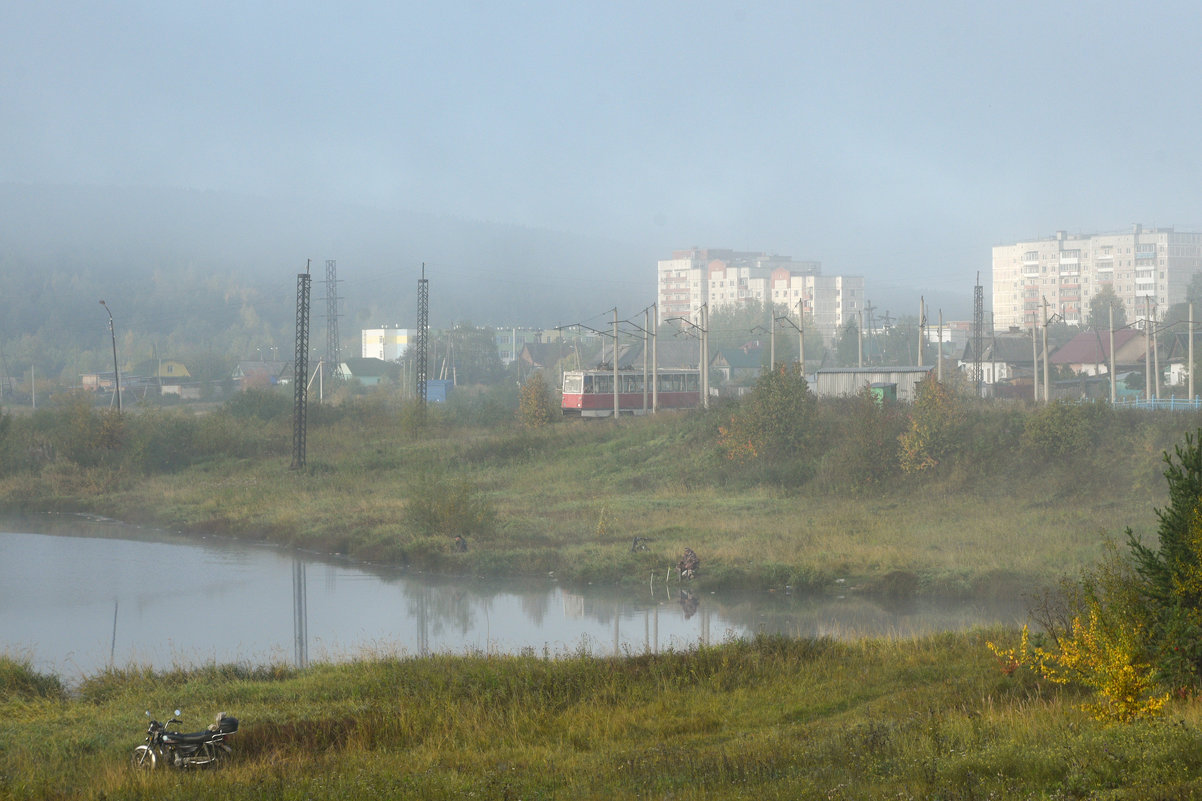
(898, 141)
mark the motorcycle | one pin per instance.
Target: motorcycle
(202, 749)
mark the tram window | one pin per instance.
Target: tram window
(588, 384)
(573, 383)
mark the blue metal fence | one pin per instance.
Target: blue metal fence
(1172, 404)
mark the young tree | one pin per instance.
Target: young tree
(536, 403)
(847, 349)
(1099, 310)
(1170, 575)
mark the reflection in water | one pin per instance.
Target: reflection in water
(300, 612)
(50, 586)
(689, 603)
(113, 646)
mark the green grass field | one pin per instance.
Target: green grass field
(767, 718)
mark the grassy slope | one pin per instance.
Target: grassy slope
(763, 719)
(570, 499)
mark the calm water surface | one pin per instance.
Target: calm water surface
(79, 594)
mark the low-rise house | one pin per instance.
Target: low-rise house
(259, 374)
(1005, 359)
(1088, 353)
(370, 372)
(543, 355)
(738, 365)
(168, 376)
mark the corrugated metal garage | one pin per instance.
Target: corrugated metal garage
(836, 382)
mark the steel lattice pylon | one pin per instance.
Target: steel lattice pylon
(978, 335)
(300, 371)
(333, 345)
(423, 328)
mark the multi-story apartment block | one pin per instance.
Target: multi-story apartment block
(510, 341)
(388, 344)
(725, 278)
(1147, 269)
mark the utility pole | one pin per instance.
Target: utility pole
(772, 338)
(646, 336)
(655, 357)
(1113, 386)
(616, 409)
(1190, 328)
(801, 336)
(939, 358)
(922, 321)
(1155, 359)
(860, 339)
(871, 330)
(116, 373)
(1147, 348)
(1047, 394)
(1035, 358)
(705, 356)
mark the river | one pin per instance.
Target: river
(79, 594)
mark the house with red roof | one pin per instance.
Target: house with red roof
(1088, 353)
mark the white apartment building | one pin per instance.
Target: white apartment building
(725, 278)
(1147, 269)
(386, 343)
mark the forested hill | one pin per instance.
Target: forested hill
(187, 272)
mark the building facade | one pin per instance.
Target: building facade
(729, 278)
(388, 344)
(1148, 269)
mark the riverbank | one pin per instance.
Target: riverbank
(764, 718)
(571, 498)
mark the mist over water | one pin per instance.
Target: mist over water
(78, 595)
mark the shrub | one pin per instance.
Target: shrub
(161, 442)
(935, 422)
(1061, 429)
(438, 505)
(777, 420)
(867, 452)
(261, 404)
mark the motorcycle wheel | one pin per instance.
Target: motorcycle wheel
(143, 758)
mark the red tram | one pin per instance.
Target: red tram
(590, 393)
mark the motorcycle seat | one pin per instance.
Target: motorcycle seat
(190, 738)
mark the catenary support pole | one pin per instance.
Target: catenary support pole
(617, 411)
(1035, 358)
(655, 357)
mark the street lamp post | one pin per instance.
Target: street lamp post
(116, 375)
